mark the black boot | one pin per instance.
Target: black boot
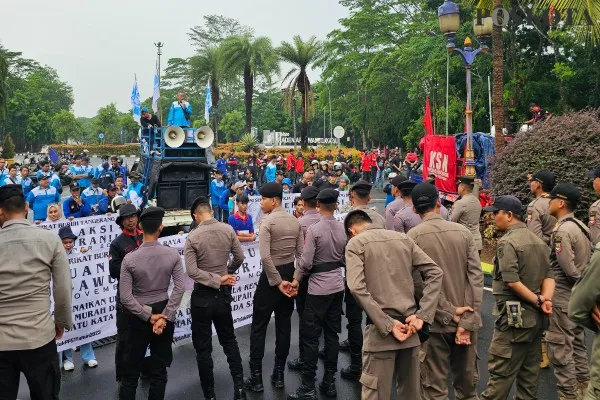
(345, 345)
(238, 388)
(255, 381)
(327, 386)
(322, 354)
(277, 377)
(207, 381)
(353, 371)
(296, 364)
(209, 392)
(303, 392)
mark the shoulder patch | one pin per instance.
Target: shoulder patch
(500, 251)
(557, 243)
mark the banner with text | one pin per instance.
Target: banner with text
(439, 158)
(96, 232)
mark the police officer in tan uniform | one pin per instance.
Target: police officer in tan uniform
(392, 209)
(523, 286)
(571, 250)
(467, 210)
(452, 344)
(594, 213)
(379, 268)
(539, 221)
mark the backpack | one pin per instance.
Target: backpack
(105, 178)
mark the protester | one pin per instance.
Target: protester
(3, 169)
(250, 189)
(55, 178)
(149, 310)
(40, 197)
(271, 170)
(286, 183)
(94, 194)
(44, 170)
(26, 181)
(75, 206)
(241, 221)
(54, 213)
(298, 207)
(105, 205)
(12, 178)
(217, 187)
(33, 260)
(180, 111)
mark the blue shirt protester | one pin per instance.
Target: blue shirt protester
(55, 182)
(251, 192)
(222, 165)
(8, 180)
(136, 187)
(39, 199)
(216, 189)
(3, 174)
(85, 182)
(270, 172)
(72, 209)
(92, 196)
(239, 223)
(27, 185)
(176, 115)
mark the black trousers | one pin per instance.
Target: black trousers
(268, 299)
(300, 301)
(321, 314)
(136, 336)
(354, 316)
(211, 306)
(40, 367)
(118, 344)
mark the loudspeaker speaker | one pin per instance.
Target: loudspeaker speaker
(168, 195)
(193, 191)
(183, 173)
(204, 137)
(174, 136)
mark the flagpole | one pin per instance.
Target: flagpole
(159, 47)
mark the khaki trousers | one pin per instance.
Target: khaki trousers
(439, 356)
(509, 361)
(379, 369)
(567, 352)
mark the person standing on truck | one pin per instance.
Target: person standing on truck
(180, 112)
(207, 251)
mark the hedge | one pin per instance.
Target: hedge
(567, 145)
(99, 149)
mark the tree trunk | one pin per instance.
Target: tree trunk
(215, 125)
(498, 82)
(249, 88)
(303, 125)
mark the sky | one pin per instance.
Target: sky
(98, 46)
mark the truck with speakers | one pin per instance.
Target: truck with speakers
(175, 168)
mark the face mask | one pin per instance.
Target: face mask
(286, 191)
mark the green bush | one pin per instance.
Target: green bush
(109, 149)
(8, 147)
(566, 145)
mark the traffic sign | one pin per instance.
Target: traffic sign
(338, 132)
(101, 136)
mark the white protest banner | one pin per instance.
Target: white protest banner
(96, 232)
(94, 299)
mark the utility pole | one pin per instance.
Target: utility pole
(159, 47)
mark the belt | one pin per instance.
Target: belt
(200, 288)
(325, 267)
(396, 317)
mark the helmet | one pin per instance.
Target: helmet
(313, 162)
(117, 202)
(389, 171)
(337, 166)
(323, 163)
(120, 160)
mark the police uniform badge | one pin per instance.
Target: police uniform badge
(557, 244)
(529, 214)
(592, 219)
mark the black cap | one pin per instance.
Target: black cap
(408, 184)
(152, 213)
(565, 191)
(399, 179)
(544, 177)
(43, 177)
(279, 172)
(595, 173)
(199, 200)
(65, 232)
(74, 186)
(250, 179)
(466, 180)
(111, 187)
(271, 190)
(506, 203)
(126, 210)
(328, 196)
(95, 181)
(135, 175)
(362, 187)
(424, 193)
(309, 193)
(8, 191)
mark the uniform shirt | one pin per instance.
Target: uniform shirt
(309, 218)
(222, 165)
(325, 243)
(39, 199)
(594, 222)
(280, 241)
(467, 211)
(523, 257)
(176, 115)
(379, 268)
(406, 219)
(32, 258)
(92, 196)
(251, 192)
(85, 182)
(105, 206)
(145, 277)
(452, 247)
(78, 170)
(55, 182)
(571, 250)
(539, 221)
(124, 244)
(391, 210)
(207, 250)
(8, 180)
(27, 185)
(239, 223)
(376, 218)
(3, 174)
(72, 209)
(270, 172)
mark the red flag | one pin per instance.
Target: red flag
(427, 120)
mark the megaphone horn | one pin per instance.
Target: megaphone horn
(174, 136)
(204, 136)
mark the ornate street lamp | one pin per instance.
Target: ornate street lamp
(449, 18)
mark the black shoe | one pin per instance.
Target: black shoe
(327, 386)
(345, 345)
(209, 392)
(352, 372)
(239, 394)
(322, 354)
(303, 393)
(296, 364)
(277, 378)
(255, 382)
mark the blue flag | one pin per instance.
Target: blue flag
(54, 158)
(207, 103)
(135, 102)
(155, 94)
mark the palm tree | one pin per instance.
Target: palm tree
(498, 82)
(209, 66)
(301, 54)
(253, 57)
(3, 85)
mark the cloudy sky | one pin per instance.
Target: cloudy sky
(98, 45)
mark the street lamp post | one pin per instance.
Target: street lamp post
(449, 18)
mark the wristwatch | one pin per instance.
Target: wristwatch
(539, 300)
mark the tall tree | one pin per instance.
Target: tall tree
(65, 126)
(253, 57)
(301, 54)
(214, 30)
(3, 85)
